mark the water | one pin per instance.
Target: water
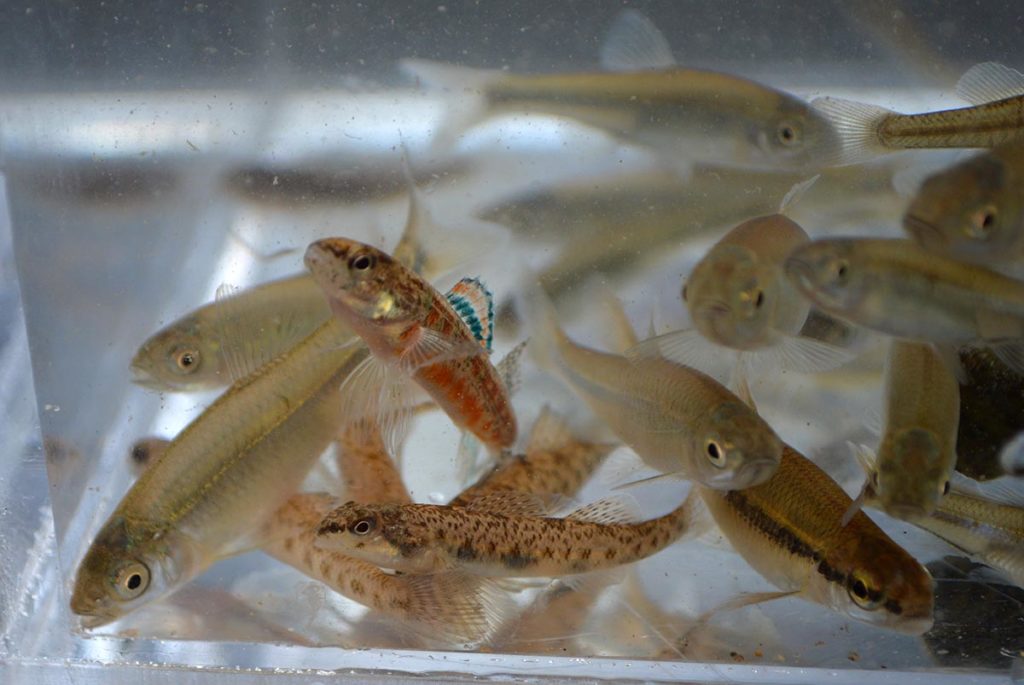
(150, 158)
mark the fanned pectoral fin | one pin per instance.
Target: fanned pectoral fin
(376, 396)
(456, 608)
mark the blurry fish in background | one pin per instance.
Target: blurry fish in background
(90, 184)
(1011, 457)
(898, 288)
(974, 210)
(915, 459)
(995, 91)
(739, 299)
(677, 419)
(145, 451)
(991, 413)
(310, 186)
(645, 99)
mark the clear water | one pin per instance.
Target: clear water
(140, 152)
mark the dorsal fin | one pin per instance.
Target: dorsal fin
(509, 368)
(988, 82)
(610, 510)
(515, 503)
(472, 301)
(634, 43)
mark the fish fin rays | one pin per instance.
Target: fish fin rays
(803, 354)
(988, 82)
(241, 352)
(609, 510)
(510, 368)
(1005, 490)
(634, 43)
(856, 125)
(622, 335)
(474, 304)
(428, 347)
(381, 398)
(1009, 352)
(515, 503)
(457, 608)
(689, 348)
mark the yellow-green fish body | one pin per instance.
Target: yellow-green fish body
(790, 530)
(918, 449)
(195, 351)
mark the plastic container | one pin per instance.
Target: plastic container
(152, 153)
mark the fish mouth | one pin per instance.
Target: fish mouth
(751, 473)
(144, 378)
(913, 625)
(925, 232)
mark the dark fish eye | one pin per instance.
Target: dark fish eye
(132, 580)
(363, 526)
(187, 360)
(716, 455)
(362, 262)
(861, 595)
(982, 222)
(788, 134)
(759, 300)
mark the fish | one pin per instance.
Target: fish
(899, 288)
(555, 463)
(916, 457)
(206, 496)
(985, 520)
(739, 298)
(644, 98)
(973, 210)
(194, 352)
(441, 342)
(677, 419)
(995, 91)
(790, 530)
(496, 536)
(444, 608)
(229, 469)
(368, 472)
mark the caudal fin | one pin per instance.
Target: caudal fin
(856, 124)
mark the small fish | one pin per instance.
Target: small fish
(445, 608)
(899, 288)
(985, 520)
(677, 419)
(995, 91)
(739, 298)
(555, 463)
(367, 469)
(484, 538)
(918, 450)
(439, 341)
(973, 210)
(646, 99)
(194, 352)
(790, 530)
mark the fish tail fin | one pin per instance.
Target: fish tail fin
(856, 125)
(468, 88)
(621, 332)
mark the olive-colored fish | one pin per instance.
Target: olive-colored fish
(739, 298)
(985, 520)
(483, 539)
(996, 117)
(973, 210)
(790, 529)
(899, 288)
(677, 419)
(207, 495)
(195, 351)
(419, 333)
(918, 450)
(683, 114)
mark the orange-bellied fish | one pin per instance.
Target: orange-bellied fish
(441, 342)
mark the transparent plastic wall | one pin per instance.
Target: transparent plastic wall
(152, 152)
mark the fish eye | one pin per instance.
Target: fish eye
(982, 222)
(788, 134)
(842, 269)
(361, 262)
(945, 488)
(363, 526)
(131, 580)
(861, 594)
(716, 455)
(187, 359)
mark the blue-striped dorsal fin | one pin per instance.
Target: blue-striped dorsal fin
(472, 301)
